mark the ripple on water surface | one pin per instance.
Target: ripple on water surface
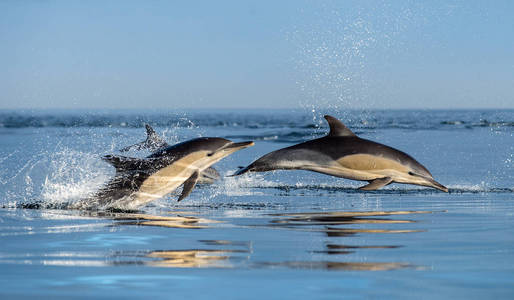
(107, 240)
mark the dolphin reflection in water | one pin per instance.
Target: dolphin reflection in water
(343, 154)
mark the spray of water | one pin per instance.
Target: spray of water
(73, 176)
(339, 53)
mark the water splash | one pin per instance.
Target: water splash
(336, 54)
(73, 175)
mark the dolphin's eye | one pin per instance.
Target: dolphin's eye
(412, 174)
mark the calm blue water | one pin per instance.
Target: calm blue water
(288, 234)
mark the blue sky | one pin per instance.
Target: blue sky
(266, 54)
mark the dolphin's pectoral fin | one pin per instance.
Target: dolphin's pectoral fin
(189, 186)
(376, 184)
(153, 142)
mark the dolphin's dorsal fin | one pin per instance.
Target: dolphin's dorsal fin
(189, 185)
(153, 141)
(124, 163)
(337, 128)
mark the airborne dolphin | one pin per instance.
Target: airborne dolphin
(140, 181)
(343, 154)
(155, 142)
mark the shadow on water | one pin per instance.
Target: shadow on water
(340, 266)
(197, 258)
(321, 222)
(234, 254)
(186, 258)
(331, 253)
(187, 222)
(335, 249)
(335, 225)
(309, 189)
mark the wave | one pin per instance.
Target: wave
(302, 123)
(300, 188)
(61, 195)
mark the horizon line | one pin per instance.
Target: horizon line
(243, 108)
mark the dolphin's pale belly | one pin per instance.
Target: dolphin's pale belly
(362, 167)
(370, 163)
(168, 179)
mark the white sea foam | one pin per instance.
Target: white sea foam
(72, 176)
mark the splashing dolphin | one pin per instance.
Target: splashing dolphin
(155, 142)
(140, 181)
(341, 153)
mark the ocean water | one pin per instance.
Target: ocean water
(284, 234)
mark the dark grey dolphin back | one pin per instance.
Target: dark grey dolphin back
(211, 144)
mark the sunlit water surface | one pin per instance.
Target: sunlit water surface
(288, 234)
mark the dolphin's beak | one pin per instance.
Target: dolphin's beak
(233, 147)
(240, 171)
(430, 182)
(240, 145)
(439, 186)
(435, 184)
